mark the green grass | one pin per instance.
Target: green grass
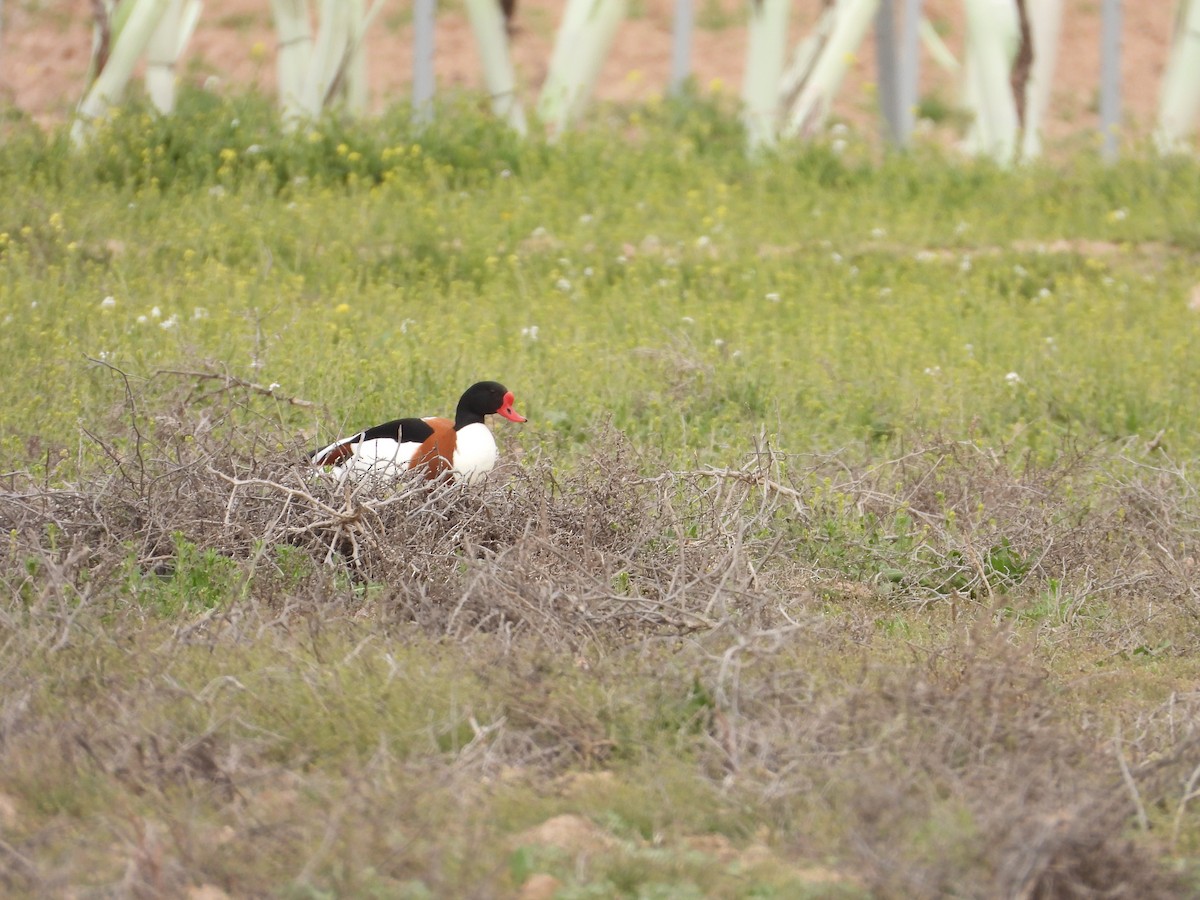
(926, 581)
(691, 296)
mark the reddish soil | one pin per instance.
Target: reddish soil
(44, 50)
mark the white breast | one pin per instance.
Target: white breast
(474, 452)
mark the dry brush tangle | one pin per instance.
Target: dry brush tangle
(613, 549)
(600, 552)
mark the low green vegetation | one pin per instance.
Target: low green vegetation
(849, 551)
(642, 273)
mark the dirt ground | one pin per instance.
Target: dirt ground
(45, 45)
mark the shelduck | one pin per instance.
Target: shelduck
(464, 448)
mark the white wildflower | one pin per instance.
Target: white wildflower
(1012, 378)
(530, 332)
(108, 303)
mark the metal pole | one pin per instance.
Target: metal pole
(887, 57)
(1110, 79)
(424, 12)
(897, 45)
(681, 45)
(910, 67)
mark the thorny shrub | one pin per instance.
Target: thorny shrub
(606, 550)
(594, 554)
(960, 760)
(1093, 536)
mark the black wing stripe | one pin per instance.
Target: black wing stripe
(402, 431)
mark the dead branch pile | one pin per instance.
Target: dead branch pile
(598, 552)
(603, 550)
